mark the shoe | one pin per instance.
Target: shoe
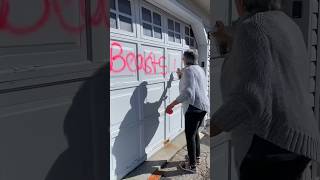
(187, 167)
(197, 159)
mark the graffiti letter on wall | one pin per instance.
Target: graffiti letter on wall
(117, 57)
(133, 62)
(55, 7)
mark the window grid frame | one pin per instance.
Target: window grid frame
(174, 31)
(152, 24)
(118, 14)
(189, 37)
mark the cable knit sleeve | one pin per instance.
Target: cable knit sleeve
(249, 75)
(187, 92)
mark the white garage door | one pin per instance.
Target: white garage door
(145, 48)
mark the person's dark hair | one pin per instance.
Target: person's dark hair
(262, 5)
(191, 57)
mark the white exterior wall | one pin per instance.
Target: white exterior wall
(139, 125)
(53, 119)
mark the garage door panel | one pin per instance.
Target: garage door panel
(123, 160)
(24, 15)
(175, 121)
(153, 103)
(49, 125)
(37, 123)
(35, 32)
(174, 90)
(123, 108)
(174, 61)
(152, 61)
(123, 62)
(154, 132)
(153, 113)
(39, 94)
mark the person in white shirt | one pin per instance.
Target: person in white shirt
(195, 103)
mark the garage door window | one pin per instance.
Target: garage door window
(174, 32)
(151, 22)
(189, 37)
(121, 15)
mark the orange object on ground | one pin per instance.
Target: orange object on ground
(154, 177)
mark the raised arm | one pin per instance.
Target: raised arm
(164, 93)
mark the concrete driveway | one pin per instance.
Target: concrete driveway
(172, 171)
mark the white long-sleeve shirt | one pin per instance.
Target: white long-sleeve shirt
(193, 88)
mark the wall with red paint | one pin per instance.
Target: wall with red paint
(147, 63)
(49, 9)
(53, 89)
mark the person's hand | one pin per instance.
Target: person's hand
(214, 130)
(169, 108)
(223, 38)
(221, 35)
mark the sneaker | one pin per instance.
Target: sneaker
(197, 159)
(187, 167)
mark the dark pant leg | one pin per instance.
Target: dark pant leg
(266, 161)
(275, 170)
(197, 144)
(201, 116)
(192, 123)
(190, 131)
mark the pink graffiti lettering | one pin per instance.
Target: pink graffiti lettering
(55, 7)
(148, 64)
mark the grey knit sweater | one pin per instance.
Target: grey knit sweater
(264, 84)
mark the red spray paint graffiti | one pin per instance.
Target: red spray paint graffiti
(136, 62)
(55, 7)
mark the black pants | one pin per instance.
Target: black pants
(266, 161)
(193, 120)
